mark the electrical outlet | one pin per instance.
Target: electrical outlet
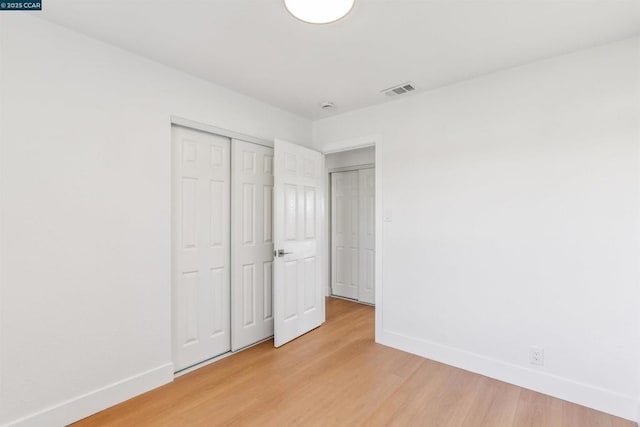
(537, 356)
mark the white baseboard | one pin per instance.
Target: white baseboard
(583, 394)
(87, 404)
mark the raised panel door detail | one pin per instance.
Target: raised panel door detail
(189, 314)
(338, 225)
(248, 214)
(291, 212)
(291, 288)
(249, 294)
(189, 190)
(354, 267)
(217, 156)
(267, 215)
(309, 213)
(353, 217)
(339, 265)
(268, 165)
(216, 299)
(218, 204)
(268, 290)
(309, 266)
(249, 161)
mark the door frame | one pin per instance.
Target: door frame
(348, 145)
(352, 168)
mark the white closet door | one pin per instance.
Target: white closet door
(200, 246)
(298, 214)
(367, 243)
(344, 232)
(252, 243)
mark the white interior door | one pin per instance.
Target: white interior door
(298, 213)
(200, 246)
(367, 241)
(251, 243)
(344, 234)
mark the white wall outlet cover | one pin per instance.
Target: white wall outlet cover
(537, 356)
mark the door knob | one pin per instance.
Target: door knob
(282, 253)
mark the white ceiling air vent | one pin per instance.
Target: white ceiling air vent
(328, 106)
(399, 89)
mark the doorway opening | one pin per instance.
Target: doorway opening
(352, 225)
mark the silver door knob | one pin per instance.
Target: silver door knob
(282, 253)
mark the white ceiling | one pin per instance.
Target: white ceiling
(255, 47)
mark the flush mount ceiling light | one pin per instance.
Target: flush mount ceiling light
(319, 11)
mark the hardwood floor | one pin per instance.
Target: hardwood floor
(336, 375)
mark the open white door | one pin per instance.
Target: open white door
(298, 214)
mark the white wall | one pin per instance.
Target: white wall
(360, 156)
(515, 222)
(85, 174)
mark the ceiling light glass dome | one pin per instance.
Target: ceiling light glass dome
(319, 11)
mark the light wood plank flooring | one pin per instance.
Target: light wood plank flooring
(335, 376)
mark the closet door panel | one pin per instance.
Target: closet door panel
(251, 243)
(344, 234)
(200, 246)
